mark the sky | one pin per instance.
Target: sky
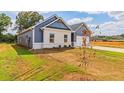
(109, 22)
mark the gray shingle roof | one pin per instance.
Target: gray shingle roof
(78, 28)
(75, 26)
(47, 21)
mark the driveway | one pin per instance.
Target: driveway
(109, 49)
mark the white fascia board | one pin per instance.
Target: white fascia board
(49, 24)
(47, 19)
(57, 20)
(66, 24)
(23, 31)
(62, 30)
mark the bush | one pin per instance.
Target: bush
(9, 38)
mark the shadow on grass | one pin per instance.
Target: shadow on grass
(25, 51)
(21, 50)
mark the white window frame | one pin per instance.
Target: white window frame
(51, 38)
(65, 39)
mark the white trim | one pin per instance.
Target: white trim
(47, 19)
(77, 28)
(58, 18)
(23, 31)
(66, 24)
(73, 31)
(49, 24)
(48, 45)
(84, 25)
(55, 21)
(61, 30)
(37, 45)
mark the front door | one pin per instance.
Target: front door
(29, 42)
(72, 39)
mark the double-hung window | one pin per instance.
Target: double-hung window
(65, 38)
(52, 36)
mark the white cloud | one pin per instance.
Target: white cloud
(92, 25)
(79, 20)
(40, 12)
(44, 12)
(109, 26)
(10, 29)
(119, 18)
(116, 14)
(93, 12)
(112, 27)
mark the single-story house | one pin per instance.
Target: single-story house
(51, 33)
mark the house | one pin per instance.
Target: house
(53, 32)
(82, 34)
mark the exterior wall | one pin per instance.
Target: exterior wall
(58, 39)
(79, 31)
(38, 35)
(79, 41)
(37, 45)
(79, 36)
(23, 39)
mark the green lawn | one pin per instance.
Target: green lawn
(18, 63)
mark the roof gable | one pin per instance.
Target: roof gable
(78, 28)
(47, 21)
(59, 24)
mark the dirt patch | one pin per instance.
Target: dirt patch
(2, 48)
(21, 65)
(60, 55)
(100, 67)
(29, 74)
(78, 77)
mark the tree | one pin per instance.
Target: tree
(5, 21)
(122, 35)
(10, 38)
(25, 20)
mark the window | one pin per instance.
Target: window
(19, 41)
(51, 38)
(65, 38)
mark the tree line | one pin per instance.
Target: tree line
(24, 20)
(109, 38)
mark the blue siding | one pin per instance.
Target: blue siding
(38, 35)
(79, 31)
(23, 39)
(38, 32)
(59, 25)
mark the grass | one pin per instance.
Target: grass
(11, 58)
(115, 44)
(15, 60)
(18, 63)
